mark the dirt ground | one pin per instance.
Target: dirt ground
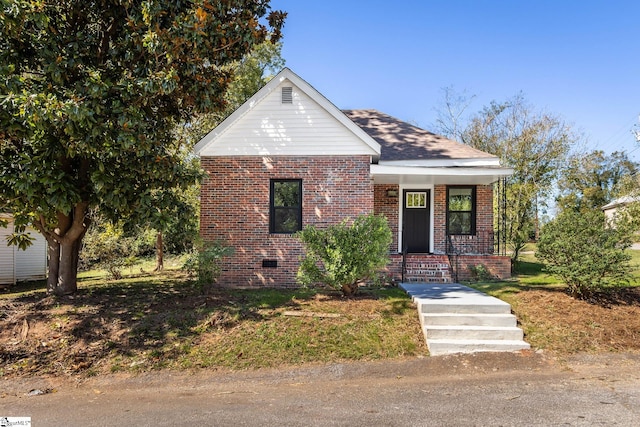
(176, 325)
(558, 323)
(81, 335)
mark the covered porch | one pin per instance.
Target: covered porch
(442, 219)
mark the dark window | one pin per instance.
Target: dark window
(461, 210)
(286, 206)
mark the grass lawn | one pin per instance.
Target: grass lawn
(150, 321)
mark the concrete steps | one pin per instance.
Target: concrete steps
(458, 319)
(470, 306)
(440, 347)
(462, 319)
(474, 332)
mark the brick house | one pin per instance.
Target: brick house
(288, 158)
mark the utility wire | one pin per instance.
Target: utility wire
(618, 137)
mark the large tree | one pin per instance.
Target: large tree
(90, 93)
(591, 180)
(250, 74)
(452, 112)
(179, 210)
(535, 144)
(173, 212)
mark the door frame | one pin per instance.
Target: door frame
(401, 201)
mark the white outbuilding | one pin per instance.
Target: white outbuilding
(611, 209)
(17, 265)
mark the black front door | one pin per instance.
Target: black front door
(415, 221)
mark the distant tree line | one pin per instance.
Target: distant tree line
(557, 190)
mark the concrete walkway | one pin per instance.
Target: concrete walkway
(458, 319)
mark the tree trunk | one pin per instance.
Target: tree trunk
(537, 221)
(63, 267)
(64, 249)
(350, 289)
(76, 253)
(53, 249)
(67, 275)
(159, 252)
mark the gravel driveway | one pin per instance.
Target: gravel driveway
(482, 389)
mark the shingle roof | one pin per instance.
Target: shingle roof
(402, 141)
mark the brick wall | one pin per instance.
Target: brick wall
(484, 209)
(498, 266)
(484, 216)
(388, 206)
(439, 218)
(235, 209)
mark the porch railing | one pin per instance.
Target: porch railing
(404, 262)
(481, 243)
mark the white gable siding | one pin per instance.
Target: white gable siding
(31, 264)
(301, 128)
(19, 265)
(6, 258)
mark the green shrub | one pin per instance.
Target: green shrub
(108, 246)
(585, 254)
(344, 255)
(480, 273)
(203, 262)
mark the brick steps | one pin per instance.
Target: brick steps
(427, 269)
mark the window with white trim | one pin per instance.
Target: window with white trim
(416, 199)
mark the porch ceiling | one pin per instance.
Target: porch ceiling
(383, 174)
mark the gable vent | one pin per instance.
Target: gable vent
(287, 95)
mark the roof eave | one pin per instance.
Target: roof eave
(438, 175)
(491, 161)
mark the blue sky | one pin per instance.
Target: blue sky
(576, 59)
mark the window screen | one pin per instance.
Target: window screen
(286, 206)
(461, 210)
